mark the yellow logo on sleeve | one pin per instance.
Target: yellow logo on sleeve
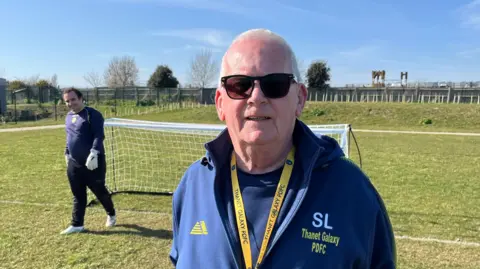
(200, 228)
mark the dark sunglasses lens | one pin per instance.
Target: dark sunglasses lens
(276, 86)
(238, 87)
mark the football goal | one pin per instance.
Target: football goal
(150, 157)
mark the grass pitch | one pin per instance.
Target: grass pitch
(386, 116)
(393, 116)
(430, 185)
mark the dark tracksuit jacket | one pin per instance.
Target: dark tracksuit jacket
(332, 216)
(84, 132)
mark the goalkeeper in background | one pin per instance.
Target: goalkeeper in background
(85, 158)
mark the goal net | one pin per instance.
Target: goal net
(151, 157)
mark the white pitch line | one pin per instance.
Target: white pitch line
(64, 205)
(20, 129)
(400, 237)
(28, 203)
(354, 130)
(414, 132)
(428, 239)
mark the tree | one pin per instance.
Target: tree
(93, 78)
(162, 78)
(32, 81)
(42, 85)
(203, 69)
(55, 93)
(121, 72)
(16, 85)
(27, 84)
(318, 74)
(54, 81)
(301, 69)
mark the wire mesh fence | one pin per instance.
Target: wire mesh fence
(32, 103)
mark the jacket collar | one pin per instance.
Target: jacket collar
(308, 146)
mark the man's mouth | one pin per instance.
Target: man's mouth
(258, 118)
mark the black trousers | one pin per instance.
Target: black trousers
(80, 178)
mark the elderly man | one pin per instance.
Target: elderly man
(269, 193)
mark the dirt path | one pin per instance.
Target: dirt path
(354, 130)
(7, 130)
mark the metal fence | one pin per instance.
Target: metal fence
(144, 96)
(109, 96)
(36, 104)
(399, 94)
(3, 96)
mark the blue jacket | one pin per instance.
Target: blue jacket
(332, 216)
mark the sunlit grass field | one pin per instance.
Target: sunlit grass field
(390, 116)
(430, 184)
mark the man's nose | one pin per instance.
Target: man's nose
(257, 95)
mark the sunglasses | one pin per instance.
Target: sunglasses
(273, 86)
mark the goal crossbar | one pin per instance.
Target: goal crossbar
(150, 157)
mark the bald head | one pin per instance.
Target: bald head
(259, 108)
(259, 51)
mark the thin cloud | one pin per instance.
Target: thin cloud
(303, 12)
(468, 54)
(373, 49)
(192, 47)
(469, 14)
(213, 5)
(292, 8)
(210, 37)
(361, 52)
(119, 54)
(252, 9)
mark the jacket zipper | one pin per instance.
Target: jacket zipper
(220, 207)
(283, 227)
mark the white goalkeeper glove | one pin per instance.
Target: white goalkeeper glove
(66, 159)
(92, 160)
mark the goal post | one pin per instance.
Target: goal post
(151, 157)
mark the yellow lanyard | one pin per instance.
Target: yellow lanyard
(276, 205)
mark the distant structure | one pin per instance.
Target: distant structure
(378, 78)
(3, 96)
(402, 75)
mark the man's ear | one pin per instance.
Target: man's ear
(219, 104)
(302, 94)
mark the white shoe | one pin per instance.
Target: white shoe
(73, 229)
(111, 221)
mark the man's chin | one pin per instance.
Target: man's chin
(76, 109)
(260, 137)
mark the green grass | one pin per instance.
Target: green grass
(390, 116)
(107, 111)
(430, 185)
(143, 156)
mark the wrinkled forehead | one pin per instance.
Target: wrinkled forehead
(257, 58)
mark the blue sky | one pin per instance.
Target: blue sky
(433, 40)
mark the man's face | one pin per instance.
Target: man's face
(73, 102)
(257, 119)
